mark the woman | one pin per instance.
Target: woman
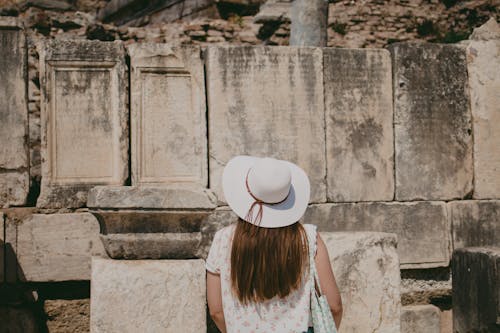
(257, 269)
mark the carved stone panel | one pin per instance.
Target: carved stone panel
(84, 120)
(168, 115)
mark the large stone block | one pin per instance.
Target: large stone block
(14, 165)
(432, 122)
(483, 65)
(168, 121)
(84, 119)
(147, 296)
(424, 234)
(475, 223)
(56, 247)
(359, 134)
(476, 289)
(420, 318)
(366, 267)
(150, 197)
(267, 101)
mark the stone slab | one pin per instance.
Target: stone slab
(359, 133)
(475, 222)
(423, 229)
(149, 221)
(14, 161)
(476, 289)
(152, 245)
(432, 122)
(420, 318)
(266, 101)
(170, 296)
(57, 247)
(274, 11)
(84, 119)
(168, 115)
(154, 197)
(483, 65)
(218, 219)
(366, 268)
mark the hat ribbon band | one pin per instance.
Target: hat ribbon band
(257, 201)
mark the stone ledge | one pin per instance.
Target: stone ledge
(151, 197)
(152, 245)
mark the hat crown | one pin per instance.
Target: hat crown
(269, 180)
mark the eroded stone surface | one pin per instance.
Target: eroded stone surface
(14, 177)
(168, 121)
(432, 122)
(359, 134)
(152, 245)
(57, 247)
(68, 315)
(424, 234)
(170, 296)
(483, 65)
(217, 220)
(267, 101)
(150, 197)
(475, 222)
(366, 267)
(476, 289)
(420, 318)
(84, 120)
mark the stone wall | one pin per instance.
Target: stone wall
(394, 140)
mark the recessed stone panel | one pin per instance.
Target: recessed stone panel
(420, 318)
(267, 101)
(84, 120)
(14, 165)
(432, 121)
(168, 121)
(359, 135)
(423, 229)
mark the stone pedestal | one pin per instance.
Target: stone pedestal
(147, 296)
(366, 267)
(476, 289)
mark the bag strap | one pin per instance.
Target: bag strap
(313, 273)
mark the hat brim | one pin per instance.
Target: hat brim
(274, 215)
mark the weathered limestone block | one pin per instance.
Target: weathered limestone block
(432, 122)
(366, 267)
(273, 11)
(168, 121)
(309, 23)
(150, 221)
(424, 233)
(151, 197)
(14, 165)
(359, 134)
(217, 220)
(84, 119)
(170, 296)
(152, 245)
(483, 65)
(57, 247)
(420, 318)
(476, 289)
(475, 223)
(267, 101)
(72, 315)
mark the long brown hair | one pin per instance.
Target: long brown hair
(266, 262)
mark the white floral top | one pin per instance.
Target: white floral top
(287, 315)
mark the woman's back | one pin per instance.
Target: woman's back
(288, 314)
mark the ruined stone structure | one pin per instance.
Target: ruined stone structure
(400, 144)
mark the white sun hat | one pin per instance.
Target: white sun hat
(264, 191)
